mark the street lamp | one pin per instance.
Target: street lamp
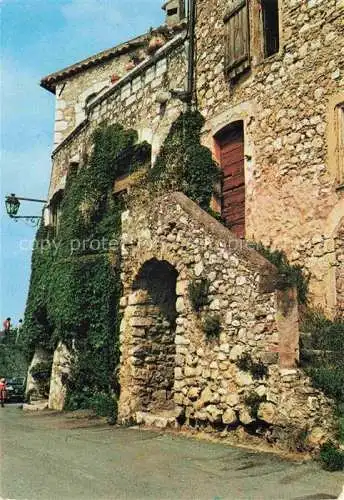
(12, 204)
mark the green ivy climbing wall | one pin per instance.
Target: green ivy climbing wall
(75, 282)
(75, 285)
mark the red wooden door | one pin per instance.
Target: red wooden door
(231, 145)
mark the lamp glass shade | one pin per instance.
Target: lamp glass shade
(12, 205)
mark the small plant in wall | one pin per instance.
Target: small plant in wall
(198, 293)
(134, 60)
(257, 369)
(331, 457)
(130, 65)
(155, 43)
(114, 78)
(253, 401)
(211, 325)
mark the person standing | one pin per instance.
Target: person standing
(7, 325)
(19, 327)
(3, 392)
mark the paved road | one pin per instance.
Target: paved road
(51, 458)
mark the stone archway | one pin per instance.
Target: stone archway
(152, 319)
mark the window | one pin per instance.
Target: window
(339, 115)
(55, 210)
(175, 11)
(130, 164)
(270, 27)
(237, 42)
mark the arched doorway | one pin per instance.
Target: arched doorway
(230, 154)
(155, 345)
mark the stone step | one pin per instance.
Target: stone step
(38, 405)
(161, 419)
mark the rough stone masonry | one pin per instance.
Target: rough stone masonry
(289, 106)
(167, 246)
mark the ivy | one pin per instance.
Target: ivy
(212, 326)
(290, 275)
(12, 360)
(198, 293)
(183, 164)
(75, 284)
(322, 353)
(75, 287)
(257, 369)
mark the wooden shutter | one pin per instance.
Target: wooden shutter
(237, 42)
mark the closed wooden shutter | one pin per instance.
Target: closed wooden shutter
(237, 42)
(232, 161)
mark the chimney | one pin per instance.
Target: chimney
(175, 11)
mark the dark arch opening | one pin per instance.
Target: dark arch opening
(159, 278)
(155, 350)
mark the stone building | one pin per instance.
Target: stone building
(269, 81)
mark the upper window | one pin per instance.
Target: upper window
(237, 40)
(55, 210)
(270, 26)
(340, 142)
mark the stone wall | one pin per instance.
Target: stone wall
(243, 380)
(72, 93)
(339, 247)
(133, 103)
(37, 389)
(286, 104)
(78, 85)
(61, 367)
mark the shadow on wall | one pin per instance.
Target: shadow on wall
(155, 297)
(159, 279)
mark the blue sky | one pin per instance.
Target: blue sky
(37, 38)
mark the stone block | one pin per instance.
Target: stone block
(193, 393)
(206, 395)
(136, 84)
(139, 297)
(214, 413)
(236, 352)
(189, 372)
(233, 399)
(60, 125)
(267, 412)
(199, 267)
(215, 305)
(229, 417)
(150, 75)
(245, 416)
(130, 100)
(182, 287)
(180, 305)
(241, 280)
(244, 379)
(180, 340)
(161, 67)
(224, 348)
(140, 321)
(125, 92)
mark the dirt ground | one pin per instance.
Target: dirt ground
(52, 456)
